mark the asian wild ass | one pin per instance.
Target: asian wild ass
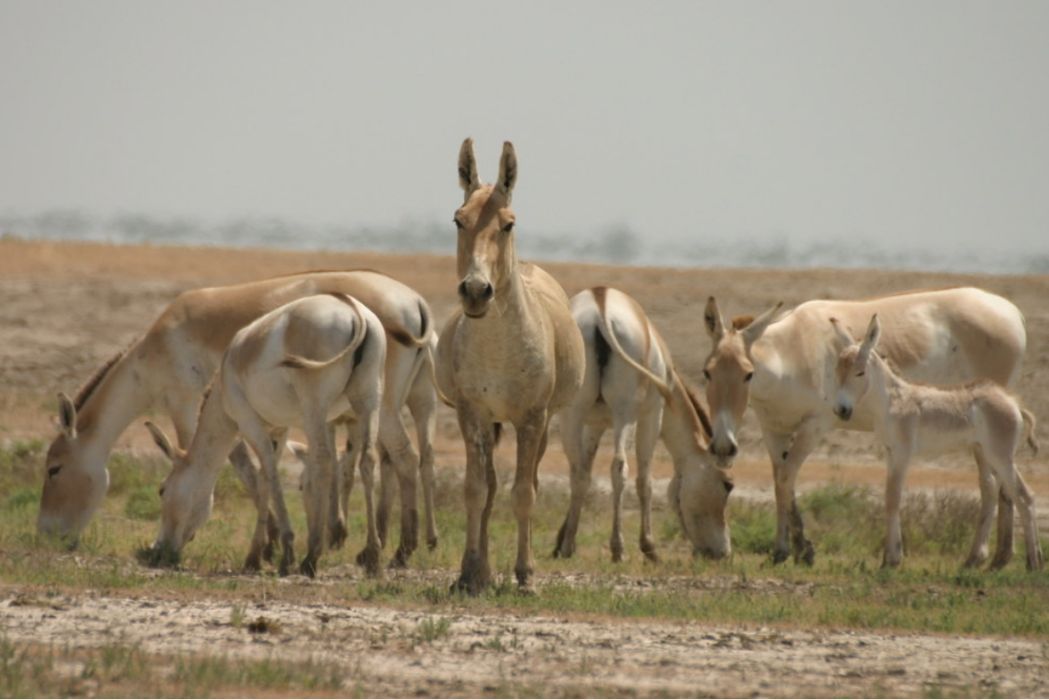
(631, 384)
(511, 352)
(303, 364)
(784, 369)
(919, 419)
(169, 367)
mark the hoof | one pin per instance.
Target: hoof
(464, 586)
(617, 555)
(650, 554)
(252, 565)
(974, 561)
(779, 556)
(431, 543)
(308, 567)
(368, 558)
(337, 535)
(807, 555)
(399, 560)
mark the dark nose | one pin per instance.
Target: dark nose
(844, 412)
(481, 291)
(720, 450)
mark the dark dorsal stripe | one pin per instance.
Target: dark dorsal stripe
(85, 391)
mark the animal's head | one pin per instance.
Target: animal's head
(485, 221)
(75, 478)
(703, 501)
(185, 502)
(728, 371)
(851, 376)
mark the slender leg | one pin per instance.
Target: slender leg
(269, 489)
(572, 442)
(398, 447)
(648, 427)
(369, 556)
(988, 496)
(246, 471)
(1025, 499)
(422, 403)
(1003, 549)
(530, 438)
(787, 457)
(318, 492)
(897, 473)
(618, 471)
(479, 436)
(336, 513)
(387, 493)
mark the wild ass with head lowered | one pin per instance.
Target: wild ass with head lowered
(168, 368)
(631, 384)
(784, 369)
(919, 419)
(511, 352)
(303, 364)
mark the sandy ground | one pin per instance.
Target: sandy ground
(385, 651)
(66, 307)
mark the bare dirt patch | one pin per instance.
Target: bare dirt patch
(413, 652)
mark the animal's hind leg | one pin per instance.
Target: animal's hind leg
(422, 404)
(988, 496)
(618, 470)
(269, 489)
(369, 556)
(395, 442)
(1016, 490)
(579, 475)
(1003, 547)
(318, 492)
(387, 492)
(336, 513)
(648, 427)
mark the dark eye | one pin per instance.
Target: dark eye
(706, 375)
(729, 486)
(161, 492)
(458, 224)
(860, 374)
(750, 375)
(509, 227)
(54, 470)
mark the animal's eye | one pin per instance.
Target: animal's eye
(706, 375)
(457, 222)
(728, 486)
(508, 227)
(750, 375)
(160, 491)
(54, 470)
(860, 374)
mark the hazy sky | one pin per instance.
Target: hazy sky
(915, 122)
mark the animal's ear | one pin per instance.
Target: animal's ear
(66, 416)
(871, 336)
(752, 332)
(507, 170)
(161, 439)
(468, 179)
(713, 321)
(843, 337)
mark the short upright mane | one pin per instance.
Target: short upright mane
(88, 388)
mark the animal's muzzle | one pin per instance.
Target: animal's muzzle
(474, 295)
(843, 412)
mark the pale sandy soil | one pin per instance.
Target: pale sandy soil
(385, 651)
(65, 307)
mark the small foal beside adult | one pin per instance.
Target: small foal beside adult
(919, 419)
(303, 364)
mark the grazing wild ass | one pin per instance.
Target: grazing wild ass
(511, 352)
(785, 370)
(303, 364)
(168, 368)
(630, 383)
(918, 419)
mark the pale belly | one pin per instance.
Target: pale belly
(274, 399)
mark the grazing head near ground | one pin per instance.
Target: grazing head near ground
(75, 478)
(185, 502)
(851, 376)
(485, 222)
(728, 371)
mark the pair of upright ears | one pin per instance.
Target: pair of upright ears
(469, 180)
(751, 331)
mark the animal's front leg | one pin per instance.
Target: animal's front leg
(479, 436)
(269, 489)
(531, 436)
(245, 470)
(898, 462)
(787, 457)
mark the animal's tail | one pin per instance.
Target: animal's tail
(431, 362)
(405, 337)
(297, 362)
(1029, 426)
(606, 331)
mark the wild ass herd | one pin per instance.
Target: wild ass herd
(236, 367)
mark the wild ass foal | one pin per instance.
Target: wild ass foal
(169, 366)
(919, 419)
(784, 369)
(630, 384)
(301, 365)
(511, 352)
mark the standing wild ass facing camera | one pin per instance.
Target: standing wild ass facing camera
(511, 352)
(169, 366)
(785, 370)
(303, 364)
(919, 419)
(630, 383)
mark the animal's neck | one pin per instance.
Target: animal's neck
(886, 386)
(215, 435)
(511, 308)
(117, 400)
(680, 425)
